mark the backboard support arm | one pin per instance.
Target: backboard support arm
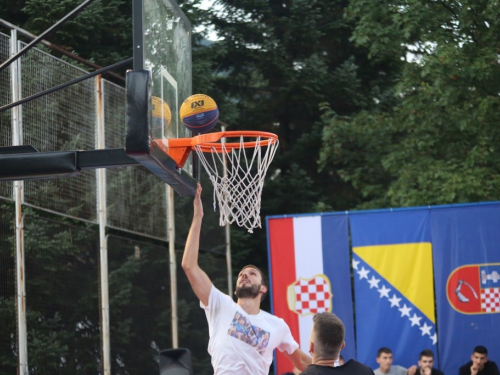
(26, 163)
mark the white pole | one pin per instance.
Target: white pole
(19, 198)
(173, 266)
(103, 240)
(228, 233)
(228, 261)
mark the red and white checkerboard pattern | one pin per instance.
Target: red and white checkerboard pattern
(490, 300)
(312, 296)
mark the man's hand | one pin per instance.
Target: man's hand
(474, 369)
(197, 205)
(200, 282)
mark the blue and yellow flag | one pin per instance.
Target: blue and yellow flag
(393, 285)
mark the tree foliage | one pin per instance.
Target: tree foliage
(376, 104)
(438, 142)
(100, 33)
(63, 300)
(277, 62)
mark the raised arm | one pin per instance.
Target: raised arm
(299, 359)
(200, 282)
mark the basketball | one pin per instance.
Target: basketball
(199, 113)
(161, 116)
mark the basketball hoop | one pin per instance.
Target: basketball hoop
(236, 169)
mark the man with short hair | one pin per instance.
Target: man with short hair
(384, 359)
(479, 364)
(325, 344)
(426, 364)
(242, 336)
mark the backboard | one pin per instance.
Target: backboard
(157, 86)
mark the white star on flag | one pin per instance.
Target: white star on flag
(415, 320)
(384, 292)
(405, 310)
(426, 330)
(363, 273)
(434, 338)
(373, 282)
(355, 264)
(394, 300)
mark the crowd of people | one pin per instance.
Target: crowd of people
(478, 365)
(243, 337)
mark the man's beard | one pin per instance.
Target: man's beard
(250, 291)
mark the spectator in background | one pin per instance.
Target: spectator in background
(426, 364)
(384, 360)
(325, 344)
(479, 364)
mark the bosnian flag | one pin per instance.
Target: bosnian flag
(309, 274)
(393, 284)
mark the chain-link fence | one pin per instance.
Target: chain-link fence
(63, 120)
(57, 256)
(63, 300)
(62, 297)
(125, 185)
(5, 116)
(66, 120)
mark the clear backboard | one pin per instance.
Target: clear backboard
(157, 86)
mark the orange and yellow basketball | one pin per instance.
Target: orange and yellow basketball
(199, 113)
(161, 115)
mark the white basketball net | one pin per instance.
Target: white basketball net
(238, 178)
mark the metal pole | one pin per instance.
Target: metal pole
(103, 239)
(18, 198)
(228, 231)
(173, 266)
(228, 261)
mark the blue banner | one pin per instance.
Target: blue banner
(466, 251)
(393, 284)
(336, 265)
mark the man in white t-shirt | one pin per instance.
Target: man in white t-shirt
(242, 336)
(384, 359)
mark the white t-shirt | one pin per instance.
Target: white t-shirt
(241, 343)
(395, 370)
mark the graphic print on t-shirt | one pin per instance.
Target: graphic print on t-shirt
(241, 329)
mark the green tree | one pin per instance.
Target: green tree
(437, 143)
(62, 285)
(62, 296)
(101, 33)
(278, 60)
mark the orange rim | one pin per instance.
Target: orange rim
(209, 142)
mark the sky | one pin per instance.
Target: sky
(206, 4)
